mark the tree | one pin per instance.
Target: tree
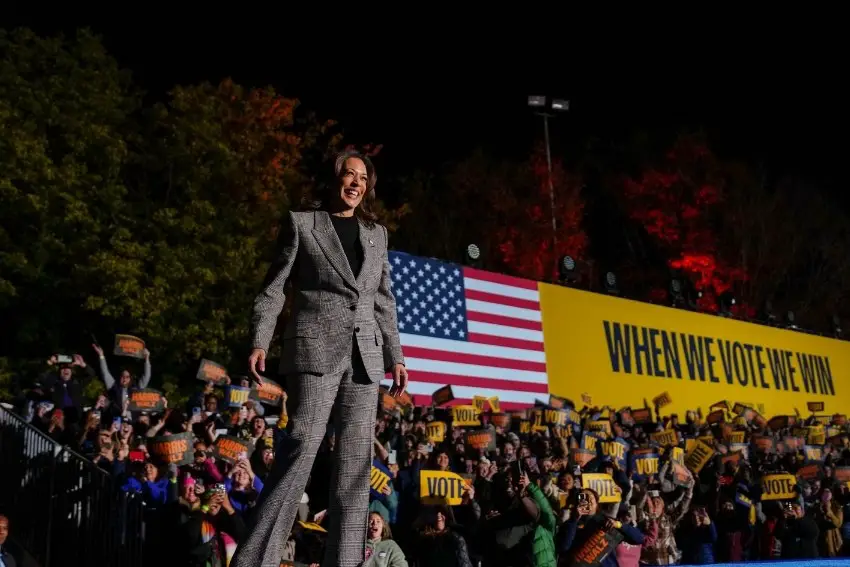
(526, 242)
(721, 224)
(64, 112)
(679, 203)
(501, 206)
(791, 242)
(221, 167)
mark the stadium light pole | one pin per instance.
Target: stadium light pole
(547, 107)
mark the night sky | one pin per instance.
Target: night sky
(430, 102)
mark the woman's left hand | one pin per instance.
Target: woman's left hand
(399, 380)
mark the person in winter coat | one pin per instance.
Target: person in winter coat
(543, 544)
(797, 533)
(628, 554)
(654, 513)
(381, 550)
(697, 539)
(438, 544)
(829, 517)
(587, 522)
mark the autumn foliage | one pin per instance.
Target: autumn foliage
(527, 245)
(679, 203)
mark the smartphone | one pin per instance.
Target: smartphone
(96, 413)
(64, 359)
(136, 456)
(582, 497)
(242, 455)
(196, 411)
(116, 423)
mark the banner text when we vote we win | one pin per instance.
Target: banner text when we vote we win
(665, 354)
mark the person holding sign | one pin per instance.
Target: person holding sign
(118, 391)
(590, 537)
(340, 340)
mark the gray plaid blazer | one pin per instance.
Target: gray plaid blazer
(330, 305)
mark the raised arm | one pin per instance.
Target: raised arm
(108, 380)
(146, 374)
(385, 313)
(269, 303)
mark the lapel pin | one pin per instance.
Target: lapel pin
(371, 243)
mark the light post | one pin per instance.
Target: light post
(547, 107)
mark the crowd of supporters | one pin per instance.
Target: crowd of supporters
(562, 483)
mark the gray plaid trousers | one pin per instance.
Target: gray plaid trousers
(355, 400)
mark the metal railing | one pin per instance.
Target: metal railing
(63, 509)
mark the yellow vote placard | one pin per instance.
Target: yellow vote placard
(378, 479)
(698, 456)
(438, 487)
(436, 432)
(494, 404)
(479, 402)
(600, 426)
(778, 487)
(603, 485)
(465, 416)
(666, 438)
(635, 351)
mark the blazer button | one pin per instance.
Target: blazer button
(353, 307)
(356, 329)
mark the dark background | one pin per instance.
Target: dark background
(431, 97)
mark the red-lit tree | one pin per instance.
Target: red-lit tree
(680, 203)
(526, 243)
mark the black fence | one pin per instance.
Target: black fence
(63, 509)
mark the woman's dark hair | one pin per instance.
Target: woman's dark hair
(327, 189)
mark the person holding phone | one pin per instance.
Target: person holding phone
(340, 341)
(587, 521)
(698, 538)
(62, 388)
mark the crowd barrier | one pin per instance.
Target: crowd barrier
(63, 509)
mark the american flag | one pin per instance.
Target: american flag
(478, 331)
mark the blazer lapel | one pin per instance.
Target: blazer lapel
(329, 242)
(370, 253)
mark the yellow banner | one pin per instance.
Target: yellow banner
(479, 402)
(438, 487)
(666, 438)
(465, 416)
(778, 487)
(494, 404)
(604, 486)
(698, 456)
(378, 479)
(621, 352)
(603, 427)
(436, 432)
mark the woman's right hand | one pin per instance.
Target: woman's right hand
(257, 363)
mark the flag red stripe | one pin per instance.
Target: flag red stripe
(502, 299)
(476, 359)
(421, 400)
(502, 320)
(482, 339)
(499, 279)
(474, 382)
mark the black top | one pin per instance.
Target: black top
(348, 231)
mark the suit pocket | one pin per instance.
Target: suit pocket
(379, 338)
